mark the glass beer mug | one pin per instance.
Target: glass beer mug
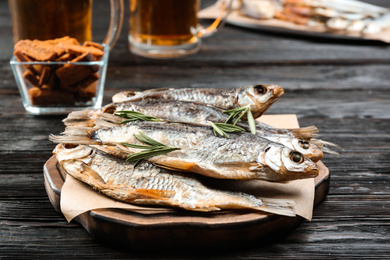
(49, 19)
(168, 28)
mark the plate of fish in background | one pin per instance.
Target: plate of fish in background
(345, 19)
(185, 155)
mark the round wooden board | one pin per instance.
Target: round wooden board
(179, 228)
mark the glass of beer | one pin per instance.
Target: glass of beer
(50, 19)
(168, 28)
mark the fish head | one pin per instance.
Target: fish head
(286, 164)
(259, 97)
(306, 148)
(71, 152)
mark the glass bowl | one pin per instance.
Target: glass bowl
(60, 87)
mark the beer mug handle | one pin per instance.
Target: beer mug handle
(116, 22)
(226, 8)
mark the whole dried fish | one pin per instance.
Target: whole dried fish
(195, 113)
(245, 157)
(151, 185)
(258, 97)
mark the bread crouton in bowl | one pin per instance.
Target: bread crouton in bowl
(60, 75)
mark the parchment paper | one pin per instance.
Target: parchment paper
(276, 25)
(77, 197)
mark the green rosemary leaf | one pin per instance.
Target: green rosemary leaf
(229, 128)
(137, 163)
(237, 113)
(151, 149)
(137, 146)
(244, 111)
(218, 130)
(233, 113)
(150, 153)
(251, 122)
(147, 140)
(134, 115)
(235, 110)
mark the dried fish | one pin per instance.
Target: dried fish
(258, 97)
(244, 157)
(151, 185)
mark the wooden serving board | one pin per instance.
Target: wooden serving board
(179, 229)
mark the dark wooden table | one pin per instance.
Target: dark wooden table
(342, 87)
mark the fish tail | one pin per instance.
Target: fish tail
(92, 118)
(74, 135)
(106, 122)
(278, 206)
(78, 130)
(305, 132)
(65, 139)
(110, 118)
(78, 117)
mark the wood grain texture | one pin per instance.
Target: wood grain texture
(342, 87)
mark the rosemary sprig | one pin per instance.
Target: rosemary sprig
(152, 148)
(222, 129)
(238, 113)
(134, 116)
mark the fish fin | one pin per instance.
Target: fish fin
(134, 96)
(123, 96)
(91, 173)
(175, 164)
(304, 132)
(153, 90)
(115, 150)
(278, 206)
(238, 170)
(323, 145)
(167, 167)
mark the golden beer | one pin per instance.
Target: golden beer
(163, 22)
(49, 19)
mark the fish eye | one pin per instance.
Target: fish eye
(267, 149)
(260, 89)
(304, 144)
(296, 157)
(110, 110)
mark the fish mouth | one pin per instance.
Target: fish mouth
(277, 91)
(312, 173)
